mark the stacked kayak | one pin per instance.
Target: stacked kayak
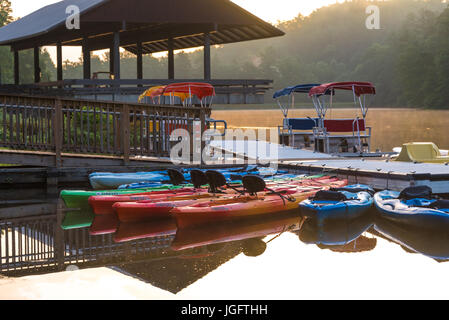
(196, 208)
(155, 200)
(416, 219)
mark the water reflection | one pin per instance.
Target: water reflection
(339, 232)
(429, 237)
(170, 258)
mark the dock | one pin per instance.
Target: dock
(380, 173)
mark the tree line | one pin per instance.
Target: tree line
(407, 58)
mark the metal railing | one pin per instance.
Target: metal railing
(33, 245)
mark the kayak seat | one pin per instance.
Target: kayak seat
(176, 176)
(216, 180)
(423, 192)
(198, 178)
(440, 204)
(327, 195)
(253, 184)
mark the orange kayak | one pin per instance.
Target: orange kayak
(216, 210)
(189, 238)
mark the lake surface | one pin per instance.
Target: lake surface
(391, 127)
(282, 257)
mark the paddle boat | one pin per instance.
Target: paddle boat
(425, 152)
(347, 137)
(296, 132)
(416, 219)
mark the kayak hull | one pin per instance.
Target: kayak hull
(213, 211)
(104, 204)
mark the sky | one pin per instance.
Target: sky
(268, 10)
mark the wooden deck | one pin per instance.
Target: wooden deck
(49, 131)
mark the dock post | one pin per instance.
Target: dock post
(57, 132)
(203, 129)
(125, 138)
(59, 237)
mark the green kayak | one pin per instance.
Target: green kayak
(78, 198)
(78, 219)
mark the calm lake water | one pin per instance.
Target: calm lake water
(282, 257)
(391, 127)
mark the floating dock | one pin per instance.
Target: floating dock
(380, 173)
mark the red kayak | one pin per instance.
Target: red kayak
(103, 204)
(143, 230)
(104, 224)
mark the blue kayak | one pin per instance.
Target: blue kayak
(415, 219)
(339, 216)
(107, 180)
(349, 201)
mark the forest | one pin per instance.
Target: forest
(407, 58)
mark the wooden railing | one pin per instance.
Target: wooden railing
(235, 91)
(92, 127)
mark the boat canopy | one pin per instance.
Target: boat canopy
(152, 92)
(201, 90)
(359, 89)
(289, 91)
(302, 88)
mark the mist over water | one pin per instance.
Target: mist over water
(391, 127)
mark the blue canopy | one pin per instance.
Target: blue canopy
(302, 88)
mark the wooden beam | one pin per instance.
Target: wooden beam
(116, 55)
(37, 68)
(16, 68)
(207, 59)
(59, 62)
(171, 60)
(86, 59)
(139, 62)
(111, 59)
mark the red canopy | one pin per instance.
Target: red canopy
(359, 88)
(201, 90)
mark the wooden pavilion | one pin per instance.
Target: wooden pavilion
(140, 27)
